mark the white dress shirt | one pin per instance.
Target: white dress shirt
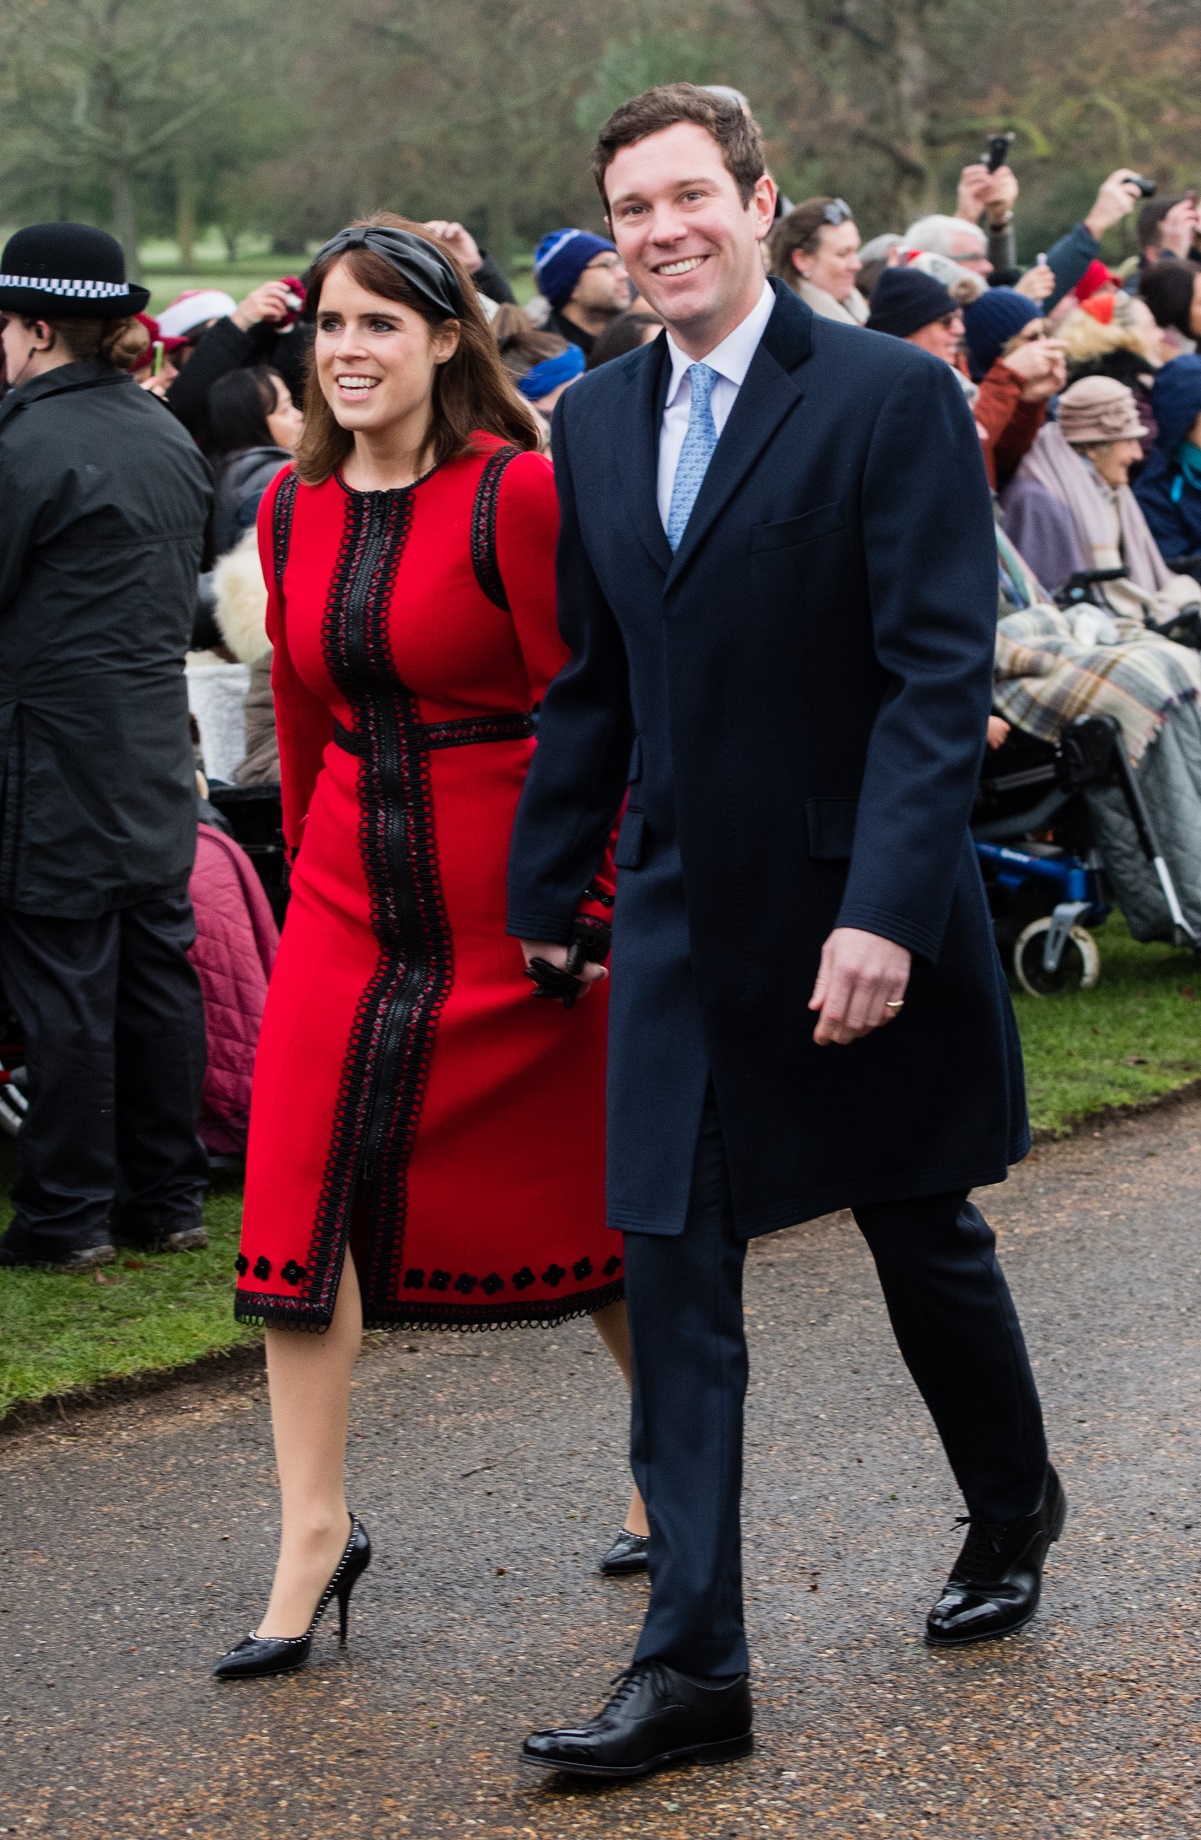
(731, 360)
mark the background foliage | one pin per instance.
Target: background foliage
(160, 116)
(156, 117)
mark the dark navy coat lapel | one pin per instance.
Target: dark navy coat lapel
(635, 438)
(769, 393)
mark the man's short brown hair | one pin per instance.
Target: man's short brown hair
(736, 131)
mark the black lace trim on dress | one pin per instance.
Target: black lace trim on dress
(281, 529)
(257, 1310)
(483, 527)
(392, 1037)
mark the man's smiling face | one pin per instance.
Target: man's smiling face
(690, 244)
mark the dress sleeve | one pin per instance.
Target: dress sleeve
(527, 531)
(1000, 390)
(303, 723)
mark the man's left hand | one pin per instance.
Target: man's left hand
(859, 976)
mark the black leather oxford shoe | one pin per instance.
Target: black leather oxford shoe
(656, 1717)
(995, 1582)
(627, 1554)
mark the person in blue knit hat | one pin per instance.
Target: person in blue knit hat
(584, 282)
(990, 322)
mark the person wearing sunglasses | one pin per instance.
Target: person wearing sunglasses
(815, 250)
(585, 283)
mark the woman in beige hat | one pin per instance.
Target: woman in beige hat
(1070, 506)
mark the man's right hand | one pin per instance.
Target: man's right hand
(1115, 200)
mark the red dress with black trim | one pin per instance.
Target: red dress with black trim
(411, 1096)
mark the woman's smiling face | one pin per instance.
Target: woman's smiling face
(375, 358)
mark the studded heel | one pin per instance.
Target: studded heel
(255, 1655)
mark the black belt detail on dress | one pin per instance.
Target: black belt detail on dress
(460, 733)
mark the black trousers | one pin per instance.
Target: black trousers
(957, 1329)
(114, 1039)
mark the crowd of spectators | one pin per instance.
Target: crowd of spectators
(1083, 381)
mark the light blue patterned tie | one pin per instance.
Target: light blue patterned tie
(696, 453)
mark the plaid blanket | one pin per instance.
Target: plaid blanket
(1046, 676)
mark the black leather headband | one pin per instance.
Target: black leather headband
(423, 266)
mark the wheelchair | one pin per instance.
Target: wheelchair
(1045, 877)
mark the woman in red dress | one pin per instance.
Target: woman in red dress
(411, 1102)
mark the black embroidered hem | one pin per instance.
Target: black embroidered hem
(256, 1310)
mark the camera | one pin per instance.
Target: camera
(1147, 187)
(997, 151)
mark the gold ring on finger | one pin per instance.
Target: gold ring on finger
(896, 1004)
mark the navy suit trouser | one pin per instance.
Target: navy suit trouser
(958, 1332)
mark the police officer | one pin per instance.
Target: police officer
(106, 500)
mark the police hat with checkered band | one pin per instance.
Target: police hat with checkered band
(67, 271)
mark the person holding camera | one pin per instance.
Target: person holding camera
(989, 186)
(1116, 197)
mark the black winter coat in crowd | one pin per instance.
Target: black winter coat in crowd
(105, 501)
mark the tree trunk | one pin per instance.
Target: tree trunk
(913, 114)
(186, 190)
(125, 226)
(230, 239)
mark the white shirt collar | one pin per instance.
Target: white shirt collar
(732, 358)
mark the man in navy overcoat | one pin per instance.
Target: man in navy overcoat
(777, 577)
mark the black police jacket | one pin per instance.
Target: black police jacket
(104, 503)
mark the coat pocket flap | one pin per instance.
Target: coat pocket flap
(831, 827)
(628, 853)
(816, 523)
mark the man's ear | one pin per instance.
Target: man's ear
(762, 202)
(43, 334)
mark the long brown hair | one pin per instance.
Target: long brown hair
(471, 390)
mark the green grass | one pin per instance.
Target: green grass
(60, 1333)
(1137, 1035)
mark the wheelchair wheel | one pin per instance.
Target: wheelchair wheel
(1079, 963)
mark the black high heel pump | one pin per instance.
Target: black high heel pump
(280, 1654)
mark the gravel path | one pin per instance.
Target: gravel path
(136, 1544)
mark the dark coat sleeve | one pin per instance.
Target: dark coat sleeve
(577, 778)
(490, 281)
(224, 347)
(1002, 245)
(930, 552)
(1176, 526)
(1068, 258)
